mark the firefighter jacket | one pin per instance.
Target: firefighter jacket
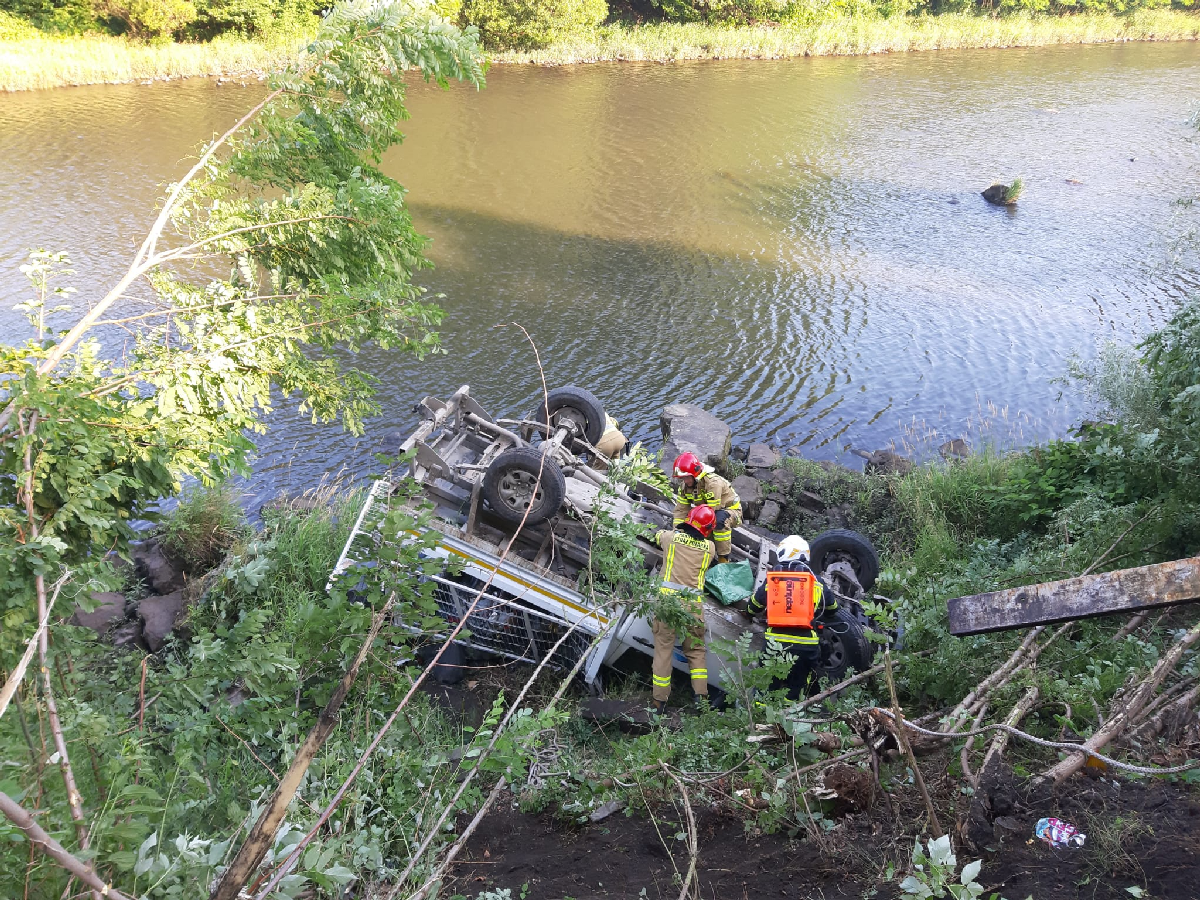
(823, 602)
(686, 557)
(711, 490)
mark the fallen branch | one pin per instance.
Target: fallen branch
(991, 759)
(902, 738)
(38, 837)
(1117, 724)
(14, 679)
(849, 682)
(964, 757)
(1152, 728)
(693, 840)
(262, 836)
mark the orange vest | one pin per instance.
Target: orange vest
(791, 599)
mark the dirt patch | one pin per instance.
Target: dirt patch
(1144, 835)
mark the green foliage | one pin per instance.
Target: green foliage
(322, 249)
(933, 873)
(149, 19)
(1014, 191)
(199, 531)
(59, 16)
(528, 24)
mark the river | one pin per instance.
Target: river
(799, 246)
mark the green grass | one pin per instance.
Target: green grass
(31, 60)
(854, 36)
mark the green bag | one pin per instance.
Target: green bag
(730, 582)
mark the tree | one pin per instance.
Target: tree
(321, 251)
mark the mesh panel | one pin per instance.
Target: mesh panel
(508, 628)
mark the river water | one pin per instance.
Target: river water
(799, 246)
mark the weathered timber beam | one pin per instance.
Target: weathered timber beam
(1122, 591)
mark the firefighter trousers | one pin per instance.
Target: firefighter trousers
(664, 650)
(723, 537)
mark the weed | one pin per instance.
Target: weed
(199, 532)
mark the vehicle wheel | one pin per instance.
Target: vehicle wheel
(577, 406)
(510, 486)
(850, 546)
(844, 646)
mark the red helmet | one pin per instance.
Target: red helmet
(688, 464)
(702, 518)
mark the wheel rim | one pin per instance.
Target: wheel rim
(519, 490)
(841, 556)
(833, 653)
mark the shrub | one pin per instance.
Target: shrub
(528, 24)
(62, 16)
(251, 17)
(148, 19)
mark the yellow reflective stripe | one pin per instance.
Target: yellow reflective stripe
(791, 638)
(662, 682)
(668, 562)
(679, 520)
(696, 673)
(723, 535)
(736, 504)
(703, 570)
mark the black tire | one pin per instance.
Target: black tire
(578, 405)
(843, 544)
(844, 646)
(509, 481)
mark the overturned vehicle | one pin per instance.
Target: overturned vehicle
(514, 502)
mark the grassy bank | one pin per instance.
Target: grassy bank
(38, 61)
(30, 60)
(664, 42)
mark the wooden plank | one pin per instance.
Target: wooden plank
(1123, 590)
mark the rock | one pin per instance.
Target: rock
(603, 812)
(128, 636)
(955, 449)
(761, 456)
(750, 492)
(154, 567)
(995, 194)
(783, 478)
(810, 501)
(283, 503)
(110, 611)
(885, 462)
(159, 615)
(770, 514)
(686, 427)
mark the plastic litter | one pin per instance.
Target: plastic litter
(1058, 833)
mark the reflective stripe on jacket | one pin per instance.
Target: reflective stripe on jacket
(710, 490)
(685, 560)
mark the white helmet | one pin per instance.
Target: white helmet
(792, 548)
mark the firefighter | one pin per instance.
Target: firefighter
(700, 485)
(792, 596)
(687, 553)
(610, 446)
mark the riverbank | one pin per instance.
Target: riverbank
(33, 61)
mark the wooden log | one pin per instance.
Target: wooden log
(1121, 591)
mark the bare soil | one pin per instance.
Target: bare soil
(1141, 834)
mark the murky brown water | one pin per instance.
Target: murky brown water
(799, 246)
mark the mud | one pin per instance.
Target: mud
(1141, 834)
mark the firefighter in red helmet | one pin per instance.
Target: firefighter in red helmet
(700, 485)
(687, 554)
